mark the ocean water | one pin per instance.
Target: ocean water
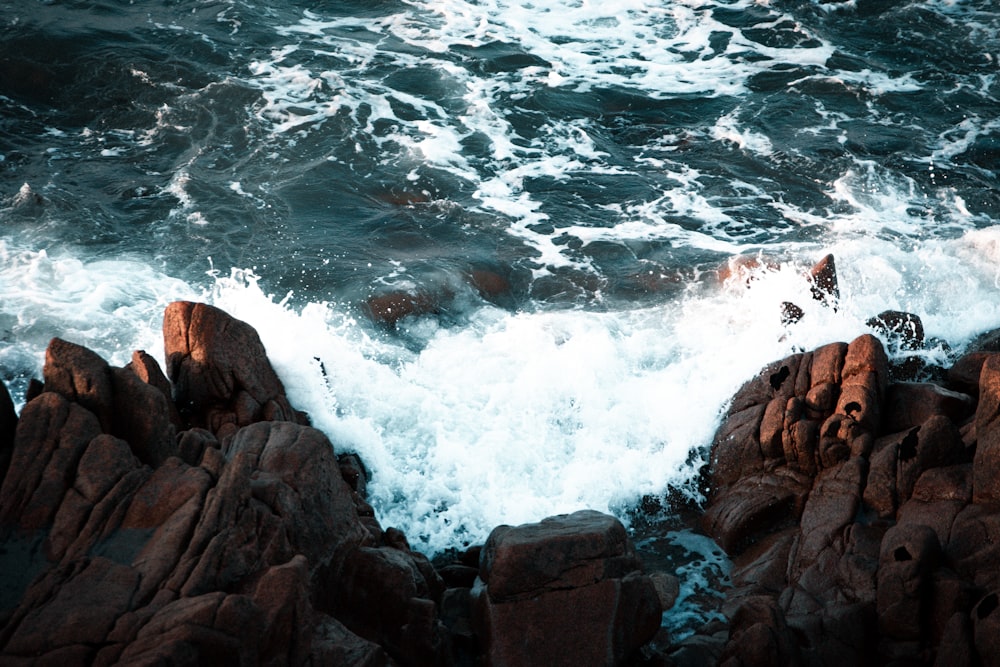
(576, 185)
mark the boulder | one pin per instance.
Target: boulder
(221, 375)
(963, 375)
(120, 543)
(566, 591)
(910, 404)
(862, 514)
(986, 465)
(903, 330)
(825, 287)
(391, 307)
(124, 405)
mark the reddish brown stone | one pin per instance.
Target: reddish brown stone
(80, 376)
(823, 276)
(910, 404)
(212, 358)
(760, 636)
(141, 417)
(148, 370)
(828, 363)
(51, 437)
(904, 330)
(390, 308)
(963, 375)
(909, 554)
(986, 628)
(489, 284)
(736, 450)
(82, 608)
(986, 466)
(534, 573)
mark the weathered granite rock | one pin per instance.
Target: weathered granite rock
(986, 465)
(862, 514)
(390, 308)
(126, 406)
(244, 539)
(905, 330)
(123, 544)
(825, 286)
(566, 591)
(222, 378)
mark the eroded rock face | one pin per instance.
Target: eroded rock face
(220, 372)
(125, 542)
(862, 515)
(566, 591)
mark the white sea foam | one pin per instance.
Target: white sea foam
(111, 306)
(514, 416)
(517, 416)
(654, 48)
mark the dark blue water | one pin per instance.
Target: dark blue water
(566, 183)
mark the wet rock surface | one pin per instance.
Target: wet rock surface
(195, 517)
(862, 513)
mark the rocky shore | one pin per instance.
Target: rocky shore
(193, 516)
(200, 520)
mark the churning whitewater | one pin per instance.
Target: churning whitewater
(603, 162)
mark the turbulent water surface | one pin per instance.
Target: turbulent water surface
(595, 163)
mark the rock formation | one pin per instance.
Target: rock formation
(861, 513)
(202, 520)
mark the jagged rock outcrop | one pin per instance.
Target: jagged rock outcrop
(201, 520)
(862, 514)
(235, 541)
(566, 591)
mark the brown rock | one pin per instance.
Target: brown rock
(938, 496)
(823, 276)
(910, 404)
(81, 608)
(489, 284)
(904, 330)
(282, 594)
(986, 465)
(80, 376)
(390, 308)
(760, 636)
(956, 646)
(533, 574)
(974, 547)
(831, 506)
(220, 370)
(736, 449)
(381, 591)
(754, 506)
(51, 437)
(147, 370)
(558, 552)
(908, 556)
(142, 418)
(986, 629)
(963, 375)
